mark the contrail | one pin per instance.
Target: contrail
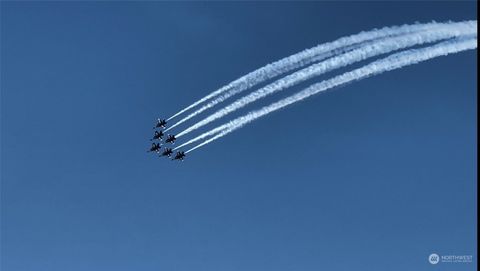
(389, 63)
(359, 54)
(304, 58)
(204, 135)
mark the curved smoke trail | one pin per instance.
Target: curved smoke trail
(389, 63)
(302, 59)
(363, 52)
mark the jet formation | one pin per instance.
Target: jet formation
(157, 142)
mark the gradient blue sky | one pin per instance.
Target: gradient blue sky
(373, 176)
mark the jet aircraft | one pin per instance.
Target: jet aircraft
(161, 123)
(170, 139)
(179, 156)
(158, 135)
(167, 152)
(155, 148)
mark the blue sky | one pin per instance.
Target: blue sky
(373, 176)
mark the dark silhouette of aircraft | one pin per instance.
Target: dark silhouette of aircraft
(179, 156)
(158, 135)
(161, 123)
(167, 152)
(155, 148)
(170, 139)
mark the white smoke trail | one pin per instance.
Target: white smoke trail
(204, 135)
(389, 63)
(359, 54)
(302, 59)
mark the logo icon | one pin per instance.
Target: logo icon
(433, 258)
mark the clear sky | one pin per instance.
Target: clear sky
(373, 176)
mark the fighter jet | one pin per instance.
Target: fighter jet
(155, 148)
(170, 139)
(160, 123)
(158, 135)
(167, 152)
(179, 156)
